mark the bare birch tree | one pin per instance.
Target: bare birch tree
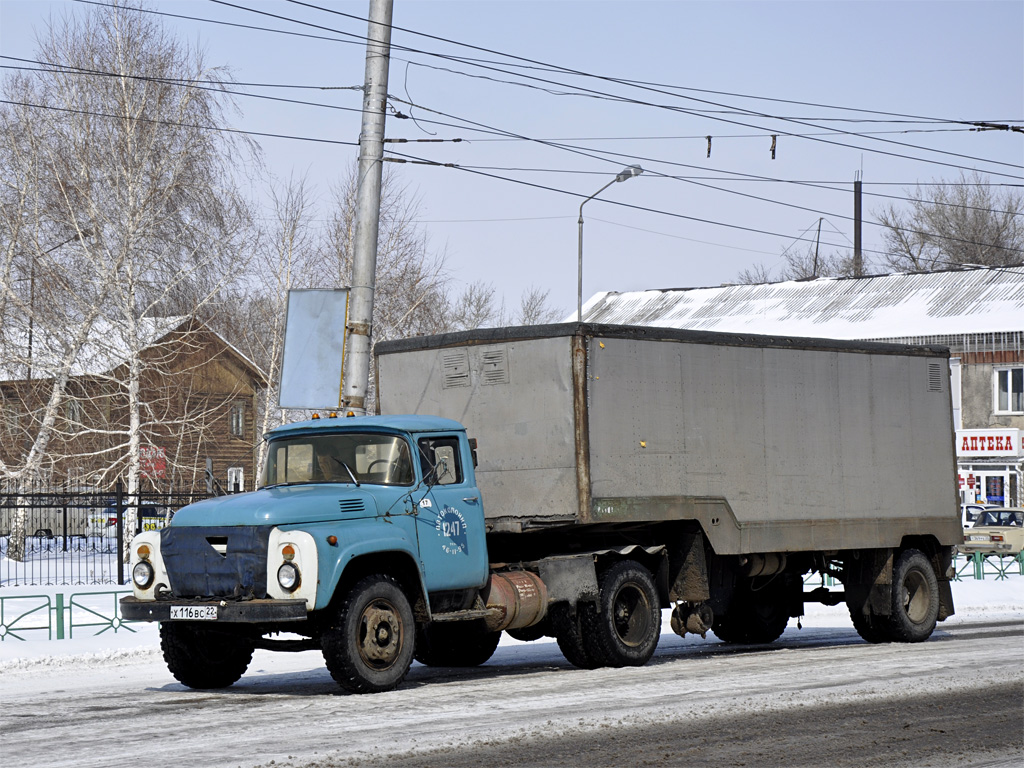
(110, 144)
(967, 221)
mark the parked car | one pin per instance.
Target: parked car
(104, 522)
(969, 513)
(996, 531)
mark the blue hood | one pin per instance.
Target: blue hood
(286, 505)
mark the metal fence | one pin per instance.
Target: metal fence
(85, 614)
(67, 536)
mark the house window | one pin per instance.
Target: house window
(1010, 390)
(12, 420)
(73, 411)
(238, 420)
(236, 479)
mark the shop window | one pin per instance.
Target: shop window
(238, 420)
(1009, 390)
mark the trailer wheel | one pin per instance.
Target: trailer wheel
(627, 627)
(915, 598)
(754, 616)
(369, 646)
(203, 658)
(455, 644)
(565, 623)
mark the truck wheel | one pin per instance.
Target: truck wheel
(455, 644)
(915, 598)
(754, 617)
(627, 627)
(202, 658)
(532, 632)
(565, 623)
(369, 647)
(867, 626)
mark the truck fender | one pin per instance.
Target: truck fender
(367, 538)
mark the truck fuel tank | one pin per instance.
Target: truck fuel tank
(516, 599)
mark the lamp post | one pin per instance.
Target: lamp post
(626, 173)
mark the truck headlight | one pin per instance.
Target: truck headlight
(142, 574)
(288, 577)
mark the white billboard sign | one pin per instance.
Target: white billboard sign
(314, 349)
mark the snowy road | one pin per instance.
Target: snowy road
(527, 706)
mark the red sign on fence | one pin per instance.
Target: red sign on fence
(154, 462)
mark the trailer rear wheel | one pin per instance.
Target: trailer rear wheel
(455, 644)
(627, 627)
(369, 647)
(203, 658)
(565, 623)
(915, 598)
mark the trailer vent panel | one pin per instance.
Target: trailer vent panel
(934, 377)
(494, 366)
(455, 369)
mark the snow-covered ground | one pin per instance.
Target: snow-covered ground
(106, 697)
(974, 600)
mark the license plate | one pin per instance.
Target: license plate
(977, 538)
(194, 612)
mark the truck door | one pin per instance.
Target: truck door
(450, 518)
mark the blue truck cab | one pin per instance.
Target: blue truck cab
(362, 529)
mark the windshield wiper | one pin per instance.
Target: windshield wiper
(350, 473)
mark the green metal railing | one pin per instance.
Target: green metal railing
(27, 617)
(978, 566)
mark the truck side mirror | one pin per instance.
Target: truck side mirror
(472, 450)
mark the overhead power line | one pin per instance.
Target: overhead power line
(575, 72)
(179, 124)
(585, 91)
(672, 213)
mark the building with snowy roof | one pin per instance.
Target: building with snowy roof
(198, 396)
(977, 312)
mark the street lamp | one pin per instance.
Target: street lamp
(626, 173)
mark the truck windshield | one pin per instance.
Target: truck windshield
(352, 458)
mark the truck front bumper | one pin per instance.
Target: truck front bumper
(239, 612)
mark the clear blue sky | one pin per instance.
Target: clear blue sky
(947, 60)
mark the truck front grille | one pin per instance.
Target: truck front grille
(225, 562)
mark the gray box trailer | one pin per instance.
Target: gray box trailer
(772, 444)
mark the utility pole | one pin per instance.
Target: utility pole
(858, 260)
(817, 241)
(356, 378)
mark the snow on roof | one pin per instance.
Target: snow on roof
(106, 349)
(877, 307)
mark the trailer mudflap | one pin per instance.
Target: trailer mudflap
(224, 611)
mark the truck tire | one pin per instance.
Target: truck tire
(565, 623)
(455, 644)
(626, 629)
(532, 632)
(868, 626)
(754, 616)
(369, 646)
(915, 598)
(201, 657)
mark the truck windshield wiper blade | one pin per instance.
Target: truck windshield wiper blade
(347, 469)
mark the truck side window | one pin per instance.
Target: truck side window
(439, 460)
